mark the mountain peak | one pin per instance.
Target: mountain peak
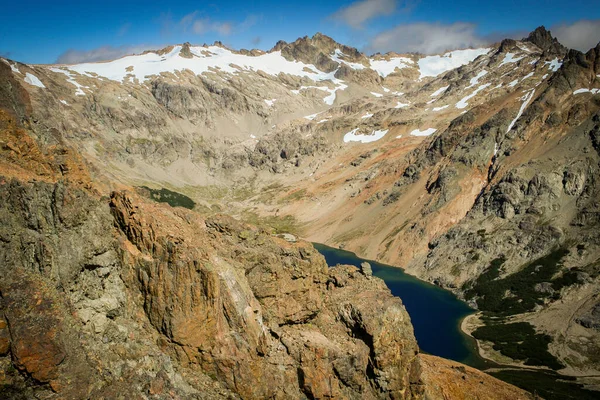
(317, 50)
(543, 39)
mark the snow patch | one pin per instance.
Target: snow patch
(368, 115)
(510, 58)
(312, 116)
(553, 65)
(387, 67)
(463, 102)
(78, 91)
(529, 75)
(592, 91)
(524, 47)
(336, 57)
(13, 67)
(526, 99)
(439, 91)
(475, 80)
(270, 102)
(402, 105)
(435, 65)
(339, 85)
(426, 132)
(376, 94)
(440, 108)
(64, 102)
(374, 136)
(33, 80)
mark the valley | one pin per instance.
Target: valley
(150, 202)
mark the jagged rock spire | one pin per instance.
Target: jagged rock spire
(543, 39)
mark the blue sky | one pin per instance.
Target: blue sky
(71, 31)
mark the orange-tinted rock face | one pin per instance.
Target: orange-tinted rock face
(34, 322)
(258, 311)
(446, 379)
(4, 338)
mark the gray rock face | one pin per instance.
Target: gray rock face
(366, 269)
(591, 319)
(285, 149)
(543, 39)
(544, 287)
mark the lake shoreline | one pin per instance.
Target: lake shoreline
(430, 307)
(467, 326)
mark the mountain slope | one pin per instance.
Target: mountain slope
(470, 169)
(106, 296)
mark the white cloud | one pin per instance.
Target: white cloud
(428, 38)
(361, 11)
(201, 25)
(581, 35)
(205, 25)
(104, 53)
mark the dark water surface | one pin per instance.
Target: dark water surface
(435, 313)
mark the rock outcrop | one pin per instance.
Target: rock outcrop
(543, 39)
(94, 290)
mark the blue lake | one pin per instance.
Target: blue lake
(435, 313)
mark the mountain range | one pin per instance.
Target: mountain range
(476, 170)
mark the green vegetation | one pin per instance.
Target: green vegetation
(348, 236)
(215, 192)
(283, 224)
(519, 341)
(295, 195)
(174, 199)
(516, 294)
(548, 385)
